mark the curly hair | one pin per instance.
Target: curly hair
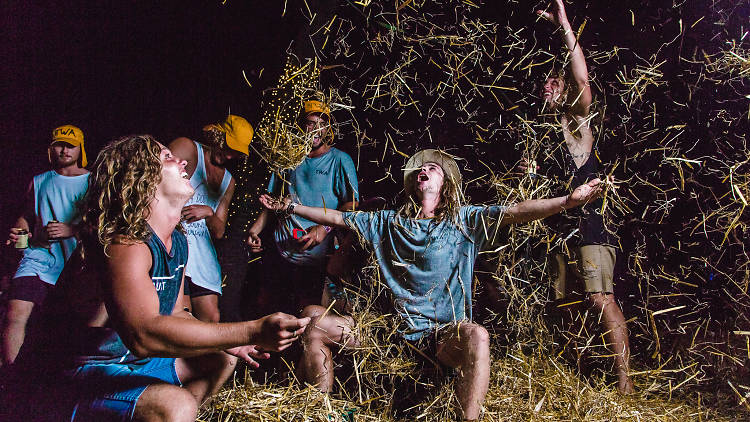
(213, 137)
(450, 202)
(121, 186)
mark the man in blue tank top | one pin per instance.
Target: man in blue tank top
(294, 263)
(49, 217)
(426, 252)
(122, 345)
(205, 214)
(588, 257)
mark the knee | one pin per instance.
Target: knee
(186, 409)
(180, 407)
(229, 362)
(599, 300)
(477, 339)
(313, 311)
(18, 313)
(217, 365)
(213, 316)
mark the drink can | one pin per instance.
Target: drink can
(23, 239)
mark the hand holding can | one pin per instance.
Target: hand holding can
(22, 238)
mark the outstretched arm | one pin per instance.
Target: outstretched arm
(536, 209)
(582, 95)
(323, 216)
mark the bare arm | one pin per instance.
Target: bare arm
(323, 216)
(27, 214)
(133, 307)
(253, 238)
(580, 72)
(217, 221)
(536, 209)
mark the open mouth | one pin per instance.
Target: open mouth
(422, 177)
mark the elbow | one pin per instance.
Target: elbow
(141, 345)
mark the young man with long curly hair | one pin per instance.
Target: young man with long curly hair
(119, 344)
(426, 252)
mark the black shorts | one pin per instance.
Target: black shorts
(194, 290)
(30, 289)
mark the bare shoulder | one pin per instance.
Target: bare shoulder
(184, 148)
(128, 258)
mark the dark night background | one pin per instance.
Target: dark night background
(169, 67)
(114, 68)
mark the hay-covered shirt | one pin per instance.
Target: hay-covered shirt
(429, 264)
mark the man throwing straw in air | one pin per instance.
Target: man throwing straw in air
(426, 251)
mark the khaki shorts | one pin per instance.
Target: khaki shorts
(594, 265)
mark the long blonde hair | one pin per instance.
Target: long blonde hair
(450, 201)
(121, 186)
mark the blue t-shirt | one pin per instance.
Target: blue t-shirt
(429, 264)
(329, 181)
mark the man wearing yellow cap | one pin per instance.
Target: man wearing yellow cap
(205, 214)
(48, 216)
(326, 178)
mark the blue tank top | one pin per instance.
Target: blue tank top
(103, 344)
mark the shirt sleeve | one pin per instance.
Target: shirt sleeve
(369, 225)
(348, 186)
(484, 225)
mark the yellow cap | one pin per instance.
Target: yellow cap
(314, 106)
(239, 133)
(73, 136)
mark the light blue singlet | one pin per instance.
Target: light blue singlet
(55, 198)
(203, 265)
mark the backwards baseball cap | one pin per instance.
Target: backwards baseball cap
(315, 106)
(73, 136)
(239, 133)
(443, 159)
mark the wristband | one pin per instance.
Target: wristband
(290, 208)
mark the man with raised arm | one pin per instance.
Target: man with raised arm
(590, 255)
(426, 252)
(125, 348)
(205, 214)
(48, 216)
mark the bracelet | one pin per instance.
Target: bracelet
(290, 208)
